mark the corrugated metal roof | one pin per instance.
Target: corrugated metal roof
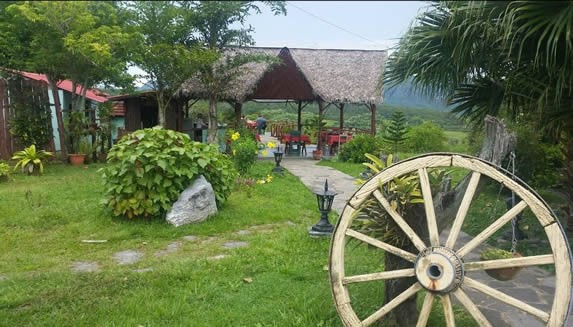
(65, 85)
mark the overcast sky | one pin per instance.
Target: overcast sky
(335, 24)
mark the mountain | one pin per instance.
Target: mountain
(405, 95)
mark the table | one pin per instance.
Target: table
(335, 140)
(301, 140)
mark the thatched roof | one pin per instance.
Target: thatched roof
(338, 76)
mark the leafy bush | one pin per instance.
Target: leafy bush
(427, 137)
(537, 162)
(30, 160)
(361, 144)
(149, 168)
(244, 150)
(4, 170)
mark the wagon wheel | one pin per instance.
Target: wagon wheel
(441, 267)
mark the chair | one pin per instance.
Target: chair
(298, 146)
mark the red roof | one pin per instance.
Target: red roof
(118, 108)
(66, 85)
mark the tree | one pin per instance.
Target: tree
(80, 41)
(396, 131)
(426, 137)
(493, 58)
(214, 22)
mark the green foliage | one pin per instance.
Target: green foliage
(495, 253)
(537, 162)
(313, 125)
(4, 171)
(395, 131)
(244, 150)
(32, 121)
(30, 160)
(77, 128)
(149, 168)
(360, 144)
(427, 137)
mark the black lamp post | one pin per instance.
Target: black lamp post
(278, 157)
(324, 199)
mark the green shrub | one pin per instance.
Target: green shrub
(149, 168)
(427, 137)
(4, 171)
(30, 160)
(244, 150)
(361, 144)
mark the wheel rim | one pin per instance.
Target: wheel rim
(439, 266)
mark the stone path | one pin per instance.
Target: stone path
(532, 285)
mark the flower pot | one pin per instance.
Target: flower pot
(317, 154)
(504, 274)
(77, 159)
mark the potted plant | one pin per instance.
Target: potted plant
(313, 127)
(502, 274)
(77, 129)
(30, 160)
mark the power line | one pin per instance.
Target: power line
(332, 24)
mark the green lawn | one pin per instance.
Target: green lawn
(279, 279)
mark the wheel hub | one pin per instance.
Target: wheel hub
(439, 269)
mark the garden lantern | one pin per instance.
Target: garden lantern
(324, 199)
(278, 157)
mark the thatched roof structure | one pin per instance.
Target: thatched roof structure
(333, 76)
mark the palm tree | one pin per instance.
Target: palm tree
(505, 59)
(499, 58)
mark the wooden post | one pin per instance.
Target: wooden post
(238, 113)
(59, 118)
(299, 118)
(373, 119)
(320, 116)
(341, 123)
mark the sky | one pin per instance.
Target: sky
(335, 24)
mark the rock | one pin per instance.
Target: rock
(85, 266)
(127, 257)
(190, 238)
(235, 244)
(195, 204)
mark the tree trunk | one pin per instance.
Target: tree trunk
(498, 143)
(212, 131)
(161, 110)
(59, 117)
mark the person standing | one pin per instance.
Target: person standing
(261, 124)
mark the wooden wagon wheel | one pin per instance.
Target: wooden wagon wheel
(441, 267)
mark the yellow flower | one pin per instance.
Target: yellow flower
(264, 153)
(260, 181)
(269, 178)
(235, 136)
(271, 145)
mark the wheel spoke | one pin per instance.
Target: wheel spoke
(476, 241)
(402, 273)
(429, 206)
(382, 245)
(448, 310)
(509, 263)
(392, 304)
(472, 308)
(426, 309)
(463, 210)
(483, 288)
(410, 233)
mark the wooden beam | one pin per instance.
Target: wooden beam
(320, 115)
(341, 108)
(373, 119)
(238, 113)
(299, 117)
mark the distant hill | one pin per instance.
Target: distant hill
(404, 95)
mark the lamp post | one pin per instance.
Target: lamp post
(278, 157)
(324, 199)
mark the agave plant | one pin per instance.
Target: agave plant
(30, 160)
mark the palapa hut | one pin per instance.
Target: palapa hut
(327, 76)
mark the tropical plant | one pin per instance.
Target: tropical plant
(4, 171)
(77, 128)
(149, 168)
(244, 150)
(498, 58)
(30, 160)
(313, 125)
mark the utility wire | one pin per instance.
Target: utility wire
(332, 24)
